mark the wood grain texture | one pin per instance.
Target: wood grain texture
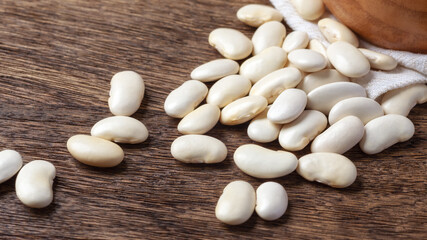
(56, 60)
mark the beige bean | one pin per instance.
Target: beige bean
(236, 203)
(215, 70)
(228, 89)
(200, 121)
(95, 151)
(365, 109)
(317, 46)
(120, 129)
(347, 59)
(271, 201)
(268, 35)
(335, 31)
(383, 132)
(263, 130)
(230, 43)
(10, 163)
(242, 110)
(198, 149)
(256, 14)
(317, 79)
(297, 134)
(307, 60)
(340, 137)
(271, 85)
(309, 9)
(288, 106)
(261, 162)
(126, 93)
(331, 169)
(295, 40)
(402, 100)
(378, 60)
(265, 62)
(185, 98)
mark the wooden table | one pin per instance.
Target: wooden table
(56, 60)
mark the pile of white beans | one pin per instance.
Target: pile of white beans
(289, 89)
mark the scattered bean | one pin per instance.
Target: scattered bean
(185, 98)
(271, 201)
(347, 59)
(200, 121)
(365, 109)
(295, 40)
(268, 35)
(10, 163)
(307, 60)
(198, 149)
(317, 79)
(230, 43)
(263, 130)
(309, 9)
(215, 70)
(378, 60)
(228, 89)
(242, 110)
(288, 106)
(120, 129)
(126, 93)
(402, 100)
(335, 31)
(256, 14)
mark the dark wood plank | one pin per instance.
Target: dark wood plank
(56, 60)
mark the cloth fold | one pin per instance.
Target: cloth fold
(412, 67)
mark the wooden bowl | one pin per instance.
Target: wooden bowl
(394, 24)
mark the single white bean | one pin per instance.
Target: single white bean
(230, 43)
(335, 31)
(307, 60)
(323, 98)
(95, 151)
(347, 59)
(318, 46)
(331, 169)
(265, 62)
(365, 109)
(263, 130)
(309, 9)
(198, 149)
(185, 98)
(256, 14)
(271, 201)
(402, 100)
(200, 121)
(268, 35)
(297, 134)
(236, 203)
(10, 163)
(261, 162)
(385, 131)
(215, 70)
(271, 85)
(340, 137)
(33, 184)
(242, 110)
(295, 40)
(288, 106)
(228, 89)
(126, 93)
(317, 79)
(378, 60)
(120, 129)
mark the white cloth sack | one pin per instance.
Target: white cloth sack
(412, 67)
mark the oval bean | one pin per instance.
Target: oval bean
(317, 79)
(120, 129)
(335, 31)
(317, 46)
(198, 149)
(10, 163)
(268, 35)
(185, 98)
(271, 201)
(200, 121)
(309, 9)
(365, 109)
(215, 70)
(256, 14)
(230, 43)
(295, 40)
(347, 59)
(263, 130)
(228, 89)
(126, 93)
(402, 100)
(242, 110)
(378, 60)
(288, 106)
(307, 60)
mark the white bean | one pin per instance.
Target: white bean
(295, 40)
(34, 184)
(271, 85)
(340, 137)
(288, 106)
(126, 93)
(230, 43)
(365, 109)
(331, 169)
(256, 14)
(185, 98)
(307, 60)
(120, 129)
(323, 98)
(271, 201)
(347, 59)
(95, 151)
(317, 79)
(378, 60)
(295, 135)
(198, 149)
(228, 89)
(261, 162)
(309, 9)
(335, 31)
(242, 110)
(268, 35)
(263, 130)
(402, 100)
(265, 62)
(385, 131)
(236, 203)
(200, 121)
(317, 46)
(215, 70)
(10, 163)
